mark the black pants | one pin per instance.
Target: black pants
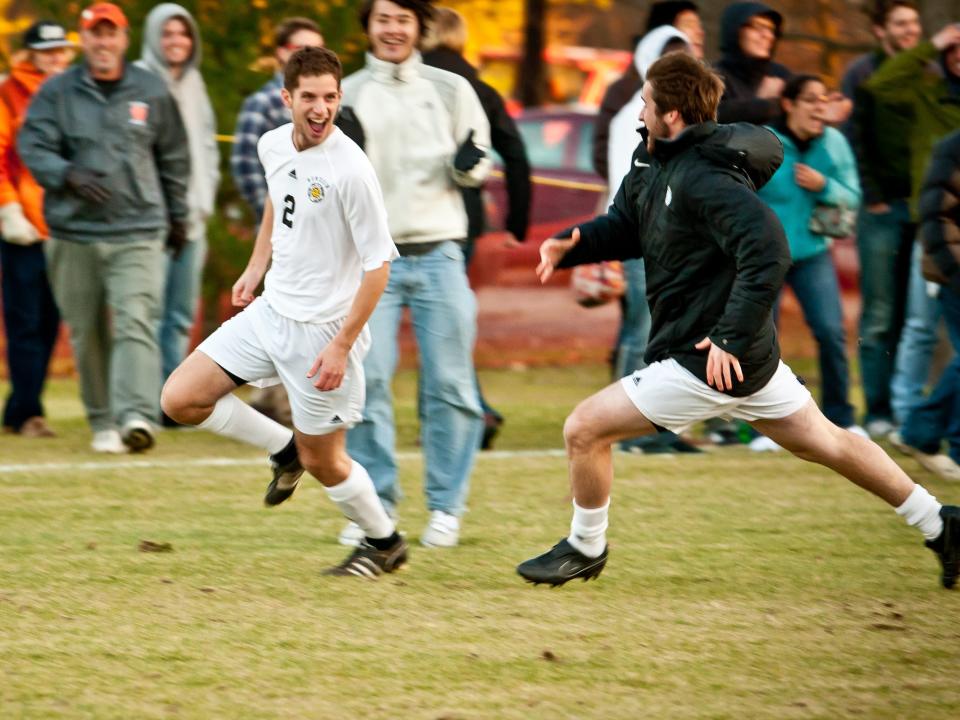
(32, 320)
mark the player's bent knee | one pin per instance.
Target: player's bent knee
(578, 432)
(172, 400)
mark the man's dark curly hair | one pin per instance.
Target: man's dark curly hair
(423, 9)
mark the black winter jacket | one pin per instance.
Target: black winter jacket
(505, 139)
(940, 214)
(715, 254)
(742, 74)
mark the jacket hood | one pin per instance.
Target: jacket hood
(151, 55)
(651, 47)
(753, 149)
(736, 16)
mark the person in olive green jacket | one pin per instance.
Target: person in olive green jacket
(928, 79)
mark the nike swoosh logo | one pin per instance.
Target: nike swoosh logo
(585, 567)
(637, 163)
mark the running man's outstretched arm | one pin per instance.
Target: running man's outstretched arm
(249, 281)
(613, 236)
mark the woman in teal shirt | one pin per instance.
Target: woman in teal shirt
(818, 169)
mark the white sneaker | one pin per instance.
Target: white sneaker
(762, 443)
(108, 441)
(880, 428)
(857, 430)
(939, 464)
(443, 530)
(137, 435)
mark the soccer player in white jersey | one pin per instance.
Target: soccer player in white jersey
(325, 229)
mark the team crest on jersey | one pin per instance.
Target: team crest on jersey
(316, 189)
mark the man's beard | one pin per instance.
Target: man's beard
(650, 135)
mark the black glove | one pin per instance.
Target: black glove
(177, 238)
(87, 184)
(468, 155)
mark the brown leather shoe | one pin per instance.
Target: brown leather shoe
(36, 427)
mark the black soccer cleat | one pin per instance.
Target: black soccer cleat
(562, 563)
(947, 546)
(286, 477)
(367, 562)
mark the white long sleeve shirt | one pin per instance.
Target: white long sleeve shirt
(414, 117)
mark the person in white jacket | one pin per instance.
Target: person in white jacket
(171, 49)
(623, 140)
(425, 133)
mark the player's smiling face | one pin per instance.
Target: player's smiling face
(393, 31)
(313, 104)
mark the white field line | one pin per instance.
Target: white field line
(234, 462)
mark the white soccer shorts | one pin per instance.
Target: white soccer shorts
(260, 344)
(670, 396)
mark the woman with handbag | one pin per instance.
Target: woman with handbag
(815, 194)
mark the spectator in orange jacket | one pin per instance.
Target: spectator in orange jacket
(29, 312)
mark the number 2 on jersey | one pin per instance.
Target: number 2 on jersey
(289, 205)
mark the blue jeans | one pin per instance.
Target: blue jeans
(814, 282)
(884, 242)
(180, 297)
(938, 417)
(917, 342)
(635, 328)
(444, 314)
(32, 321)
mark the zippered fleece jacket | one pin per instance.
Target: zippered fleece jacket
(715, 254)
(133, 135)
(413, 118)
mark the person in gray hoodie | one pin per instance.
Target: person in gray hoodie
(171, 49)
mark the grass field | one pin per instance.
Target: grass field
(739, 586)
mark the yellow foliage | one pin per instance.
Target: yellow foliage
(499, 23)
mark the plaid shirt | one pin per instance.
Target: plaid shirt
(261, 112)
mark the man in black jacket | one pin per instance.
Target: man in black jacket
(446, 40)
(753, 81)
(716, 257)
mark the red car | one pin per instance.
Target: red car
(565, 191)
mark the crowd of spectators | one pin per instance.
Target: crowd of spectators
(109, 173)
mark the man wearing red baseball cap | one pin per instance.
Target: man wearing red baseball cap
(99, 12)
(106, 141)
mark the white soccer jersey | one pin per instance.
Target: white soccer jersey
(329, 224)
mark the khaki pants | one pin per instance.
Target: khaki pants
(110, 296)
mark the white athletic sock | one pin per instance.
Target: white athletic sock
(357, 499)
(588, 529)
(922, 511)
(233, 418)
